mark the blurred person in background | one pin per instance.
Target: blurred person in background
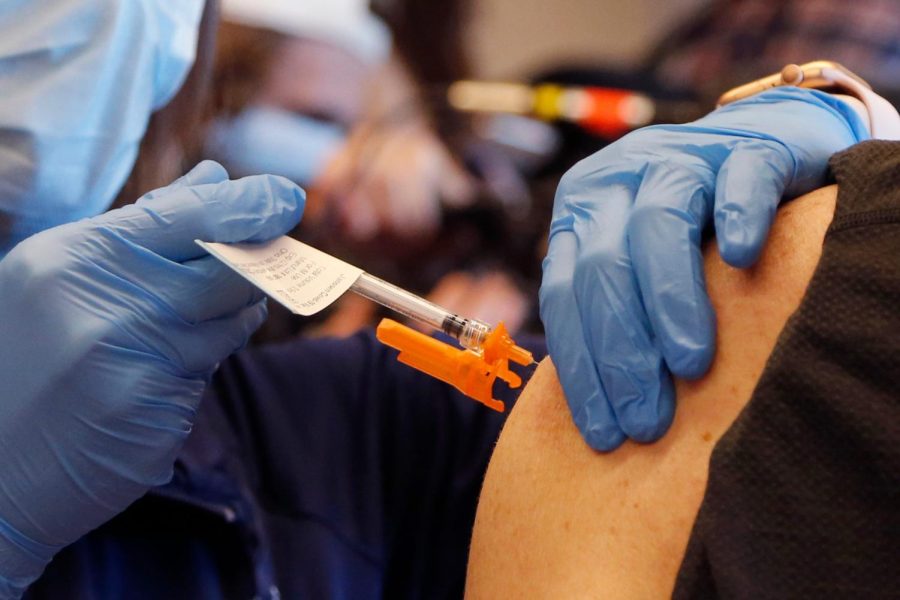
(727, 42)
(290, 81)
(314, 92)
(733, 41)
(293, 82)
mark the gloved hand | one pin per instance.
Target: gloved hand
(623, 296)
(110, 329)
(394, 180)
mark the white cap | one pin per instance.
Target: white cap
(346, 23)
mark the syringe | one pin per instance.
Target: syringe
(306, 280)
(488, 350)
(471, 333)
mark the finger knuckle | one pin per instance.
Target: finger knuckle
(571, 179)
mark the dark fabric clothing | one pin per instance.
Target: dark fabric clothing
(803, 498)
(316, 469)
(737, 41)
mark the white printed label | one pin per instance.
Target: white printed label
(303, 279)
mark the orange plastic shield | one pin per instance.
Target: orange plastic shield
(471, 373)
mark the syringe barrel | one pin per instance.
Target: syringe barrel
(398, 299)
(471, 333)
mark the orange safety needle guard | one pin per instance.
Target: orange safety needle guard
(470, 372)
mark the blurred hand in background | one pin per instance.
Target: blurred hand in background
(394, 179)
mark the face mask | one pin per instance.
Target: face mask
(80, 79)
(270, 140)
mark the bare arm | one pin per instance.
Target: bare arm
(558, 520)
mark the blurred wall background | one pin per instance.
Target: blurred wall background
(511, 38)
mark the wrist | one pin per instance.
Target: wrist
(847, 109)
(879, 116)
(857, 106)
(791, 113)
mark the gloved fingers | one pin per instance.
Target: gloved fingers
(251, 209)
(207, 171)
(585, 396)
(664, 235)
(617, 331)
(749, 187)
(198, 348)
(203, 289)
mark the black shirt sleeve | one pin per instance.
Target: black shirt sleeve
(803, 497)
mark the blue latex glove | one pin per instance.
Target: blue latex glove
(623, 296)
(80, 79)
(110, 329)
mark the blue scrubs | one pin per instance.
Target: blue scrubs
(317, 469)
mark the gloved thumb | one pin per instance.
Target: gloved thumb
(167, 222)
(208, 171)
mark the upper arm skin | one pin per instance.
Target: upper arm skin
(558, 520)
